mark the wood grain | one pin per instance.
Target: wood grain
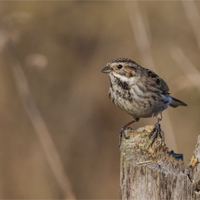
(151, 172)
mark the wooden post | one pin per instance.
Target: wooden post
(150, 172)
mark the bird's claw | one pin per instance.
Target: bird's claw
(122, 133)
(156, 130)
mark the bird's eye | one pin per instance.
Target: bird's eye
(119, 66)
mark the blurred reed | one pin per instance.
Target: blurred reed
(190, 71)
(38, 122)
(184, 63)
(193, 16)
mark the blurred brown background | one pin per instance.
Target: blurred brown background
(62, 47)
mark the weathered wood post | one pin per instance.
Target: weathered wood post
(150, 172)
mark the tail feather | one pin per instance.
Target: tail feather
(175, 103)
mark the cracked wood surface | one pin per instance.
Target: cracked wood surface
(150, 172)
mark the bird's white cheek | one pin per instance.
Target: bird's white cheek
(122, 78)
(131, 80)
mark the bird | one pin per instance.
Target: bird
(138, 91)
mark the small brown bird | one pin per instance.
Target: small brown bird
(138, 91)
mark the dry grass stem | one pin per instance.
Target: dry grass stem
(39, 125)
(193, 16)
(186, 66)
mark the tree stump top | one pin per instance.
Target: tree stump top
(152, 172)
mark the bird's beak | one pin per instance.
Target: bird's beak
(106, 70)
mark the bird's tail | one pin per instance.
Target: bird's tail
(176, 102)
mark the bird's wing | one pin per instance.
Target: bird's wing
(155, 81)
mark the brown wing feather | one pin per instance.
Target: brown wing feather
(157, 81)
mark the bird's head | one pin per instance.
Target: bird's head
(121, 67)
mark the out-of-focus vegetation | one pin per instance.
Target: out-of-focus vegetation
(62, 46)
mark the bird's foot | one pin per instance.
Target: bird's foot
(122, 133)
(156, 131)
